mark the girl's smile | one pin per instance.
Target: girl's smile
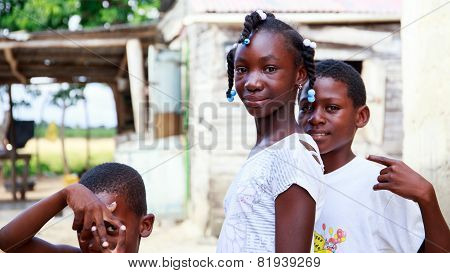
(253, 100)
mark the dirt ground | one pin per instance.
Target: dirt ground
(167, 236)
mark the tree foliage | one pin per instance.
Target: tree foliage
(68, 95)
(36, 15)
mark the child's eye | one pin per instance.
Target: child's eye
(332, 108)
(270, 69)
(241, 70)
(306, 108)
(111, 229)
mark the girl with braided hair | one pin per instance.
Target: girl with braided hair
(272, 203)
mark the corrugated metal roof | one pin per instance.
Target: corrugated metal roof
(297, 6)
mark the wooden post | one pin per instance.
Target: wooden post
(137, 82)
(14, 65)
(88, 135)
(119, 107)
(23, 189)
(12, 153)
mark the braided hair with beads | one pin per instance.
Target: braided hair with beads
(254, 22)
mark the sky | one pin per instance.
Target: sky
(100, 104)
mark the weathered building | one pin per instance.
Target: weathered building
(426, 66)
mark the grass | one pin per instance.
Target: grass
(99, 132)
(50, 155)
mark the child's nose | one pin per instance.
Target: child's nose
(316, 117)
(253, 82)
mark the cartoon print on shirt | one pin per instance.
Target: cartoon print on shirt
(322, 244)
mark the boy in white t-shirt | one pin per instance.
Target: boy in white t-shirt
(355, 218)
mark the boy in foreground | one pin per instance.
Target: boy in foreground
(110, 214)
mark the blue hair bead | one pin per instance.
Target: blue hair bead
(233, 93)
(311, 92)
(230, 99)
(311, 99)
(246, 41)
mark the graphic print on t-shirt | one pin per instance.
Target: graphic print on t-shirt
(324, 243)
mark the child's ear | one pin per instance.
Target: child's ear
(147, 225)
(301, 76)
(362, 116)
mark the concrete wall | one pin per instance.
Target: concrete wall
(426, 70)
(162, 167)
(221, 132)
(378, 47)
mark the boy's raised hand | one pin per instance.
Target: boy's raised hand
(400, 179)
(89, 211)
(120, 246)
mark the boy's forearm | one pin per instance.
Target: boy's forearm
(22, 228)
(437, 233)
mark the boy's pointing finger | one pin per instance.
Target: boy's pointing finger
(381, 160)
(382, 186)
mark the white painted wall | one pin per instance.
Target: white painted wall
(426, 99)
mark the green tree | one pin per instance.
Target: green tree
(67, 96)
(35, 15)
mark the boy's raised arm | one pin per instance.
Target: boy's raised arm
(18, 235)
(400, 179)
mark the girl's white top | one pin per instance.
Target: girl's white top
(249, 224)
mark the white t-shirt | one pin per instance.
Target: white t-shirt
(355, 218)
(249, 224)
